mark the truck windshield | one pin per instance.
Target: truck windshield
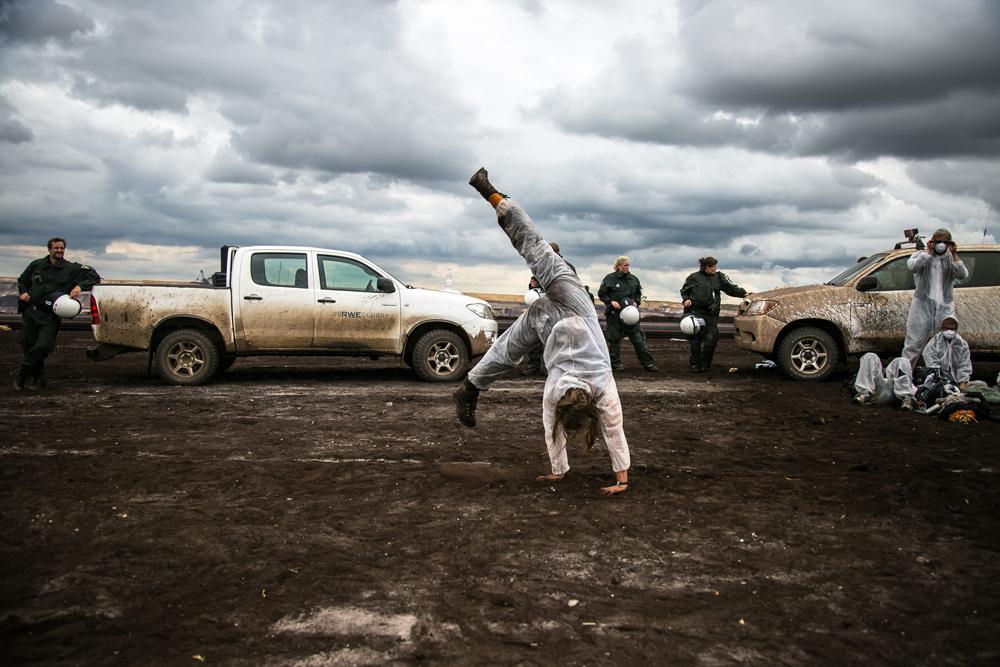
(849, 274)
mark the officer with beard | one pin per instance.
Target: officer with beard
(39, 325)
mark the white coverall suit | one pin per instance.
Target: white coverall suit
(933, 297)
(885, 387)
(565, 323)
(951, 356)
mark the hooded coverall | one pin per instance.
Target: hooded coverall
(934, 278)
(884, 387)
(952, 357)
(565, 323)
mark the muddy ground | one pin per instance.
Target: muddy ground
(303, 511)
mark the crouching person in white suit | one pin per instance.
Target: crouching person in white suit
(884, 387)
(580, 394)
(949, 354)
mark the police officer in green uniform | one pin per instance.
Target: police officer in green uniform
(619, 289)
(39, 324)
(700, 295)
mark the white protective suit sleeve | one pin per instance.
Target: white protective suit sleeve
(565, 322)
(934, 278)
(895, 382)
(951, 356)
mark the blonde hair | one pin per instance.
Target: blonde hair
(578, 417)
(622, 260)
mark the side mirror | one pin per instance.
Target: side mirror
(385, 285)
(866, 284)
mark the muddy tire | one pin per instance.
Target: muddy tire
(186, 357)
(440, 356)
(808, 353)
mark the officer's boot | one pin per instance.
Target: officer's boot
(17, 379)
(481, 182)
(695, 356)
(35, 382)
(706, 358)
(466, 398)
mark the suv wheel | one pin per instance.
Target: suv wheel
(440, 356)
(187, 357)
(808, 353)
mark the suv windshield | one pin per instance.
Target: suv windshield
(849, 274)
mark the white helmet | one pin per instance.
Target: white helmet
(533, 295)
(691, 325)
(64, 305)
(630, 315)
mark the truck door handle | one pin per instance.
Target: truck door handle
(327, 300)
(253, 297)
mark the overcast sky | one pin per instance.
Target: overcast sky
(785, 138)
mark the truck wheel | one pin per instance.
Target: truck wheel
(440, 356)
(187, 357)
(808, 353)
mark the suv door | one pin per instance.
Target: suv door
(878, 316)
(275, 302)
(352, 313)
(977, 301)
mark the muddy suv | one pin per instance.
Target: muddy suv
(809, 330)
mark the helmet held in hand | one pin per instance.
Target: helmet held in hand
(691, 325)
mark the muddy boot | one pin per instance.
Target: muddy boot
(17, 379)
(466, 397)
(481, 182)
(35, 383)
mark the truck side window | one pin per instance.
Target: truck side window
(984, 269)
(341, 273)
(279, 269)
(894, 276)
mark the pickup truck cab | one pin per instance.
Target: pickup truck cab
(290, 300)
(809, 330)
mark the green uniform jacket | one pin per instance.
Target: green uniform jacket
(618, 287)
(42, 278)
(703, 290)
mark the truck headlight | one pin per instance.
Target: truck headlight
(760, 307)
(481, 309)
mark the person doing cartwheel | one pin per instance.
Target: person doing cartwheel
(580, 395)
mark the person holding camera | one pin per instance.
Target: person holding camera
(700, 295)
(619, 289)
(936, 268)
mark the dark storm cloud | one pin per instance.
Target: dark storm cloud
(40, 20)
(854, 81)
(975, 178)
(12, 130)
(308, 86)
(835, 56)
(230, 168)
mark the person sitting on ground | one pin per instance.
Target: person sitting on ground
(580, 393)
(948, 352)
(873, 386)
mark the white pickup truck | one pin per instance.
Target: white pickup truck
(290, 300)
